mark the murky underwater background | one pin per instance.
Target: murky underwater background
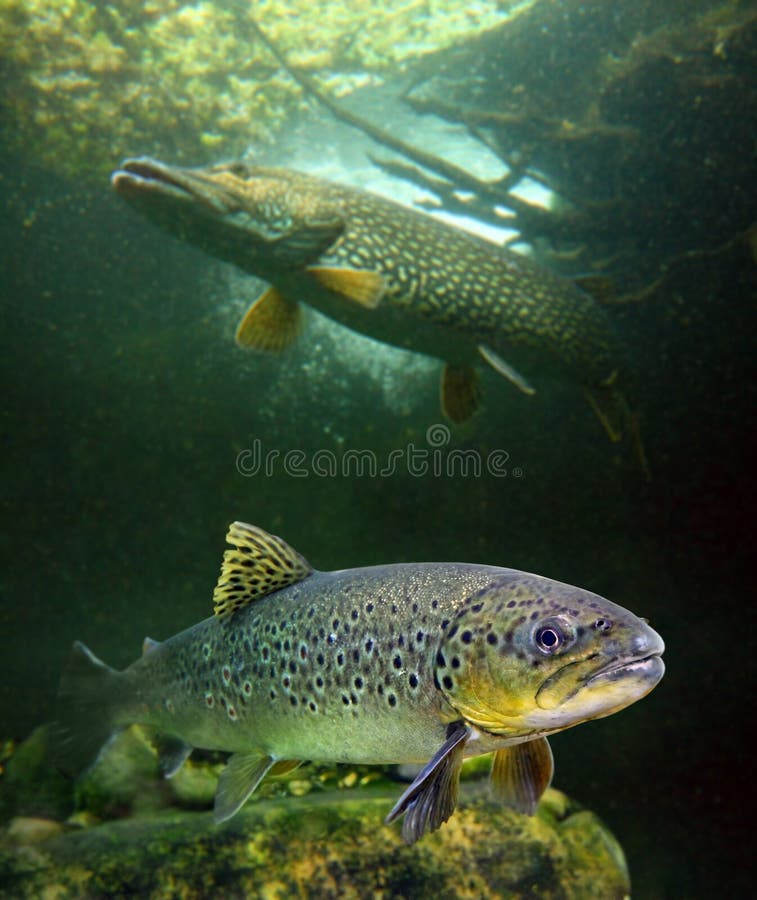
(127, 404)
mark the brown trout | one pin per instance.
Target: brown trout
(410, 663)
(387, 271)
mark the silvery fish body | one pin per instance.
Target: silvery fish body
(409, 663)
(387, 271)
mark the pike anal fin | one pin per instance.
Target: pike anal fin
(460, 392)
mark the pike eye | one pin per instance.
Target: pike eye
(549, 638)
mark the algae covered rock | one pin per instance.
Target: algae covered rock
(30, 786)
(329, 844)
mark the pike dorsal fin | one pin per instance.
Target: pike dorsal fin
(257, 565)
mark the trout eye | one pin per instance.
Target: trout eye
(550, 638)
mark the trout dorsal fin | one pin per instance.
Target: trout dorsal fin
(257, 565)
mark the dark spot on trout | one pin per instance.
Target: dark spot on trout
(413, 680)
(491, 638)
(466, 637)
(447, 682)
(392, 700)
(397, 662)
(455, 662)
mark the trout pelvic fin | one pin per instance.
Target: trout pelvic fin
(259, 564)
(361, 286)
(242, 775)
(521, 774)
(460, 392)
(272, 323)
(431, 798)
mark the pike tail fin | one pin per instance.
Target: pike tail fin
(90, 711)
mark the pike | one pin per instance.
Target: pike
(416, 663)
(386, 271)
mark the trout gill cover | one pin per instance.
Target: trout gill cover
(424, 663)
(386, 271)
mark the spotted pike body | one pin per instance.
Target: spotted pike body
(411, 663)
(382, 269)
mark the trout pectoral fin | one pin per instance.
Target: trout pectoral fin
(505, 370)
(243, 773)
(272, 323)
(521, 774)
(460, 392)
(361, 286)
(431, 798)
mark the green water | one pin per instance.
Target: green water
(126, 406)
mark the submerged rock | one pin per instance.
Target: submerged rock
(326, 845)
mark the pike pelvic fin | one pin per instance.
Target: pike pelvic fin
(521, 774)
(257, 565)
(431, 798)
(272, 323)
(460, 392)
(506, 370)
(360, 286)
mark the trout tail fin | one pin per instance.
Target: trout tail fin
(89, 713)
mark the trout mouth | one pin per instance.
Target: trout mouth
(647, 667)
(592, 688)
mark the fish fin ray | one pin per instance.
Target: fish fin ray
(601, 288)
(506, 370)
(258, 564)
(460, 392)
(271, 324)
(243, 773)
(148, 645)
(284, 766)
(520, 774)
(172, 751)
(88, 711)
(431, 798)
(362, 286)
